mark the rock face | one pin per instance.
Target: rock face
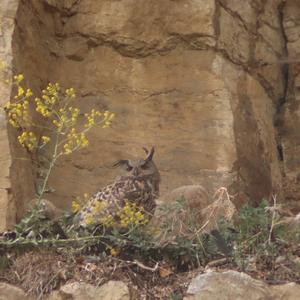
(289, 121)
(8, 10)
(239, 286)
(202, 81)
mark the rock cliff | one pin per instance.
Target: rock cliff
(213, 84)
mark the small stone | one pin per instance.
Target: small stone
(280, 259)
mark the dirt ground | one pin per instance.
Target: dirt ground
(40, 272)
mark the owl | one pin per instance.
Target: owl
(139, 185)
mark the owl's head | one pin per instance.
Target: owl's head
(140, 168)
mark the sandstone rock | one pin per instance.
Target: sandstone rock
(162, 25)
(289, 121)
(112, 290)
(226, 285)
(234, 285)
(178, 74)
(245, 10)
(10, 292)
(61, 5)
(270, 11)
(269, 69)
(76, 48)
(260, 20)
(8, 10)
(288, 291)
(152, 105)
(49, 210)
(234, 39)
(195, 195)
(291, 25)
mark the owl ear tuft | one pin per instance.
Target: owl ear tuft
(146, 150)
(149, 154)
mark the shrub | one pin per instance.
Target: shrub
(53, 125)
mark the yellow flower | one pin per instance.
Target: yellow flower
(2, 64)
(89, 220)
(75, 206)
(13, 123)
(46, 97)
(107, 221)
(70, 92)
(28, 140)
(131, 214)
(20, 91)
(7, 106)
(45, 139)
(67, 149)
(19, 77)
(28, 93)
(114, 252)
(108, 117)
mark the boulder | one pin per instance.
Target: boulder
(10, 292)
(238, 286)
(112, 290)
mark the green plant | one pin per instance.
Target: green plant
(260, 236)
(48, 127)
(54, 126)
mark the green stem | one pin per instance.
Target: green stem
(51, 165)
(55, 242)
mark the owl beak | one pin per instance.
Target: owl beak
(135, 172)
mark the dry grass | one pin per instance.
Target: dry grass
(155, 272)
(40, 272)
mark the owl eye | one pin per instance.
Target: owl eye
(129, 168)
(144, 166)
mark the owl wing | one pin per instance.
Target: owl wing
(109, 200)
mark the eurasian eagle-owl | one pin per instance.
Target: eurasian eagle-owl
(139, 185)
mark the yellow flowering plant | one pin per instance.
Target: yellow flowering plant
(51, 125)
(131, 215)
(60, 129)
(79, 202)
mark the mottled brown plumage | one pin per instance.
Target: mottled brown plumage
(139, 185)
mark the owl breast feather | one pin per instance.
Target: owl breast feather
(111, 199)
